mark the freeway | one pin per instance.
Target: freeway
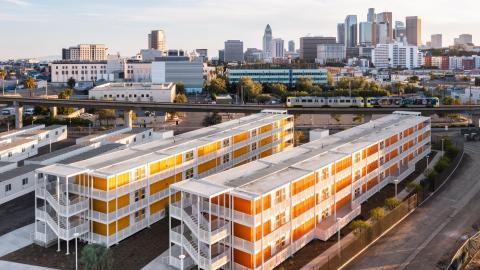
(179, 107)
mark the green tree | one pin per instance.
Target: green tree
(107, 114)
(217, 86)
(250, 88)
(304, 84)
(180, 98)
(212, 119)
(358, 226)
(414, 79)
(442, 164)
(65, 94)
(71, 83)
(448, 100)
(392, 203)
(329, 79)
(180, 88)
(263, 98)
(30, 84)
(377, 213)
(278, 89)
(96, 257)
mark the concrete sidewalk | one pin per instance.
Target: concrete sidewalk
(431, 163)
(16, 240)
(159, 263)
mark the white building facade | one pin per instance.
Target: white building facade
(396, 55)
(134, 92)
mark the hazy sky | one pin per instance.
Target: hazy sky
(35, 28)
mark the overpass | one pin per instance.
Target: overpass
(128, 107)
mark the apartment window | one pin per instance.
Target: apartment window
(357, 193)
(8, 187)
(382, 160)
(139, 173)
(254, 133)
(140, 194)
(325, 214)
(189, 156)
(280, 195)
(275, 124)
(280, 243)
(139, 215)
(254, 146)
(9, 154)
(382, 145)
(226, 143)
(280, 219)
(23, 149)
(24, 181)
(325, 194)
(226, 158)
(189, 173)
(357, 157)
(357, 175)
(325, 174)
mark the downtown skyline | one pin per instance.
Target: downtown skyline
(39, 29)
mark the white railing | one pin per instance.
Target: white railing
(74, 206)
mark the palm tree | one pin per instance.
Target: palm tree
(30, 84)
(3, 74)
(96, 257)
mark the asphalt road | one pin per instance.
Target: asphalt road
(436, 228)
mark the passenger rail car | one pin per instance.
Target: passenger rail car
(335, 102)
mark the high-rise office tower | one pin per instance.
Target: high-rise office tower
(233, 51)
(308, 46)
(156, 40)
(366, 33)
(291, 46)
(463, 39)
(371, 15)
(351, 32)
(278, 48)
(400, 31)
(414, 30)
(384, 33)
(436, 41)
(267, 42)
(341, 33)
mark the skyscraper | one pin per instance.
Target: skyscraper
(414, 30)
(436, 41)
(351, 32)
(156, 40)
(278, 47)
(308, 46)
(371, 15)
(366, 38)
(341, 33)
(400, 32)
(463, 39)
(384, 27)
(233, 51)
(291, 46)
(267, 42)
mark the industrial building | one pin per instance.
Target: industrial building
(111, 196)
(257, 215)
(143, 92)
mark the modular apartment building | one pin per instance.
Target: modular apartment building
(110, 197)
(257, 215)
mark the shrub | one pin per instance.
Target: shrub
(413, 187)
(431, 174)
(442, 164)
(392, 203)
(358, 226)
(377, 213)
(96, 257)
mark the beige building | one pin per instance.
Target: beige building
(85, 52)
(414, 30)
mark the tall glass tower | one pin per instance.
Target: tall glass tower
(267, 42)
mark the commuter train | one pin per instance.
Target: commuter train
(360, 102)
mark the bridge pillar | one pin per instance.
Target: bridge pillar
(476, 120)
(18, 115)
(367, 118)
(53, 112)
(128, 118)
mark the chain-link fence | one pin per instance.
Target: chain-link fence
(365, 237)
(465, 253)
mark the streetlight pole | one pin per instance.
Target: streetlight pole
(396, 183)
(442, 147)
(427, 160)
(76, 235)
